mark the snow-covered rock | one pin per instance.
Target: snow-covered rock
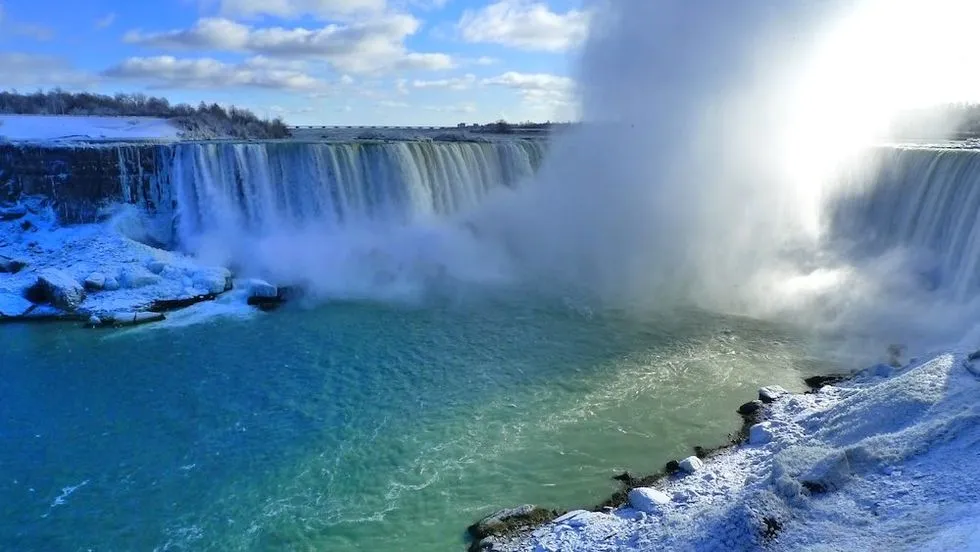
(156, 266)
(772, 393)
(760, 434)
(691, 464)
(95, 281)
(214, 280)
(262, 289)
(111, 284)
(13, 305)
(134, 277)
(646, 499)
(60, 289)
(12, 213)
(9, 265)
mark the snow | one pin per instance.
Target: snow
(34, 128)
(77, 253)
(885, 461)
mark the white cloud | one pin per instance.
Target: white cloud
(36, 70)
(106, 21)
(458, 83)
(171, 72)
(391, 104)
(526, 25)
(289, 9)
(539, 90)
(457, 108)
(373, 46)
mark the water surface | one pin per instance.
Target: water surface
(356, 426)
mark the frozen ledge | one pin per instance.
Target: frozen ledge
(884, 459)
(91, 273)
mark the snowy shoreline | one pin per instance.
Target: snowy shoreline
(882, 460)
(98, 274)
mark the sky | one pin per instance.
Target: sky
(335, 62)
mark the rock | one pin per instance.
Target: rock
(691, 464)
(672, 467)
(60, 289)
(12, 213)
(760, 434)
(111, 283)
(156, 266)
(165, 305)
(95, 281)
(750, 408)
(11, 266)
(772, 393)
(133, 318)
(575, 518)
(13, 305)
(213, 280)
(136, 277)
(816, 382)
(509, 521)
(263, 289)
(882, 370)
(648, 500)
(94, 321)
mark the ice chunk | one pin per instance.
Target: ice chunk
(691, 464)
(648, 500)
(760, 434)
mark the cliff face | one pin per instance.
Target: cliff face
(78, 180)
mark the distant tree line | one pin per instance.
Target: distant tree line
(203, 121)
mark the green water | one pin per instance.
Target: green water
(355, 426)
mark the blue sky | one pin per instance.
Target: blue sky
(310, 61)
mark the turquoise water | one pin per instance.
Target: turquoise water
(356, 426)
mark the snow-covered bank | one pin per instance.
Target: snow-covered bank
(884, 461)
(97, 272)
(38, 128)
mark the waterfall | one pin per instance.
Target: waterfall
(924, 201)
(259, 188)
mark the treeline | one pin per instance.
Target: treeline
(203, 121)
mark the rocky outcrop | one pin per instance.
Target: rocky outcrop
(506, 522)
(78, 181)
(11, 266)
(58, 288)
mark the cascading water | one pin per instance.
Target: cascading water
(922, 201)
(259, 188)
(355, 217)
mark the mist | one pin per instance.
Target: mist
(718, 141)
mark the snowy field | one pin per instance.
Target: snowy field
(885, 461)
(47, 128)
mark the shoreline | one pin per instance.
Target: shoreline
(755, 490)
